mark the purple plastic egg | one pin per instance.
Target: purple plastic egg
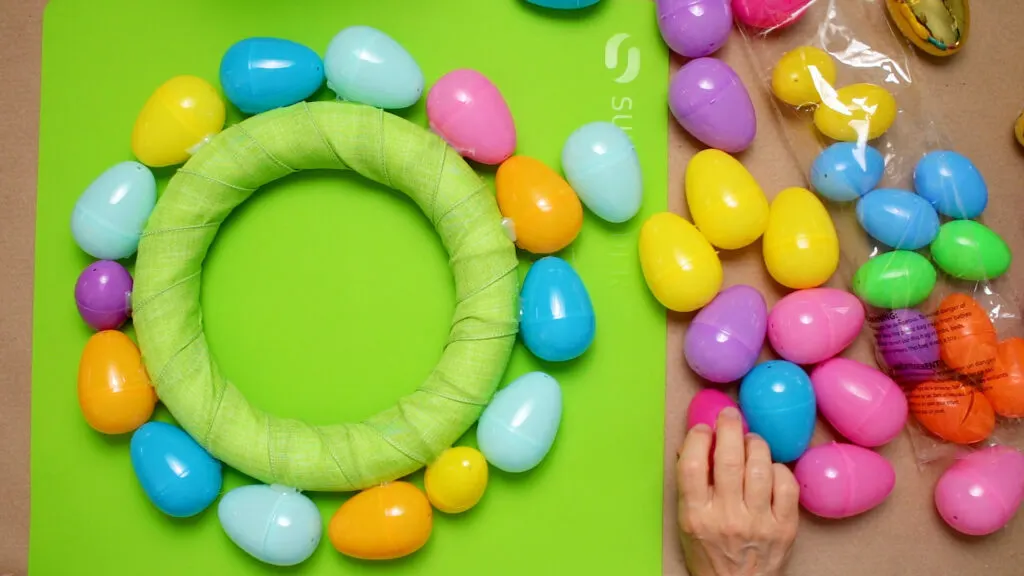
(725, 338)
(103, 294)
(908, 346)
(710, 102)
(694, 28)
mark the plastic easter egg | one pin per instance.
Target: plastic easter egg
(466, 109)
(843, 480)
(114, 391)
(727, 205)
(563, 4)
(259, 74)
(382, 523)
(967, 337)
(365, 65)
(273, 523)
(181, 116)
(456, 481)
(725, 338)
(103, 295)
(951, 183)
(777, 399)
(846, 171)
(937, 27)
(952, 410)
(970, 250)
(178, 476)
(518, 427)
(694, 28)
(111, 213)
(556, 318)
(801, 248)
(1004, 384)
(709, 101)
(908, 345)
(1018, 129)
(602, 166)
(898, 279)
(802, 75)
(896, 218)
(809, 326)
(856, 113)
(705, 407)
(544, 211)
(680, 267)
(861, 403)
(769, 14)
(980, 493)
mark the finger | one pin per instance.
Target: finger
(785, 495)
(729, 456)
(758, 481)
(692, 467)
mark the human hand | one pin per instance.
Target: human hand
(739, 519)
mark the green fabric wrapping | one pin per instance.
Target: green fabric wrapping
(169, 320)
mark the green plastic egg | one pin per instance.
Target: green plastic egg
(970, 250)
(898, 279)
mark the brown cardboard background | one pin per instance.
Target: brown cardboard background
(977, 94)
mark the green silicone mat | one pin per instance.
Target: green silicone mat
(326, 298)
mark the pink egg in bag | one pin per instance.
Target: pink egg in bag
(861, 403)
(843, 480)
(980, 493)
(466, 109)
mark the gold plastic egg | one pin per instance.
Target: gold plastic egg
(938, 27)
(1018, 129)
(180, 116)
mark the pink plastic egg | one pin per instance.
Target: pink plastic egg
(843, 480)
(769, 14)
(468, 111)
(980, 493)
(706, 405)
(860, 402)
(812, 325)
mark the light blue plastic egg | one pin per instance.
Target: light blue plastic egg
(846, 171)
(259, 74)
(365, 65)
(275, 524)
(897, 218)
(952, 184)
(777, 399)
(556, 317)
(518, 427)
(176, 473)
(564, 4)
(110, 215)
(602, 166)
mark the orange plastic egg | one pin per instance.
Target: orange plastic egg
(114, 391)
(545, 213)
(1004, 385)
(967, 338)
(953, 411)
(382, 523)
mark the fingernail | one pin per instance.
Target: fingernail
(731, 413)
(702, 427)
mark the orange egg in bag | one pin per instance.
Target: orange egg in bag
(952, 410)
(967, 338)
(382, 523)
(113, 388)
(545, 212)
(1004, 385)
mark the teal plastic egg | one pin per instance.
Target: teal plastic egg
(846, 171)
(777, 399)
(365, 65)
(518, 427)
(898, 218)
(556, 318)
(259, 74)
(564, 4)
(110, 215)
(275, 524)
(176, 473)
(602, 166)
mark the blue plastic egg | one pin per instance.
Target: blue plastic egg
(602, 166)
(365, 65)
(275, 524)
(564, 4)
(177, 474)
(952, 184)
(259, 74)
(518, 427)
(110, 215)
(556, 318)
(777, 399)
(896, 218)
(846, 171)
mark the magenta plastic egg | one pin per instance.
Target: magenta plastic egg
(808, 326)
(706, 405)
(726, 336)
(980, 493)
(709, 101)
(468, 111)
(103, 295)
(843, 480)
(861, 403)
(769, 14)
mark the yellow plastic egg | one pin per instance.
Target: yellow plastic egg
(803, 75)
(680, 266)
(182, 115)
(801, 248)
(456, 481)
(727, 205)
(855, 113)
